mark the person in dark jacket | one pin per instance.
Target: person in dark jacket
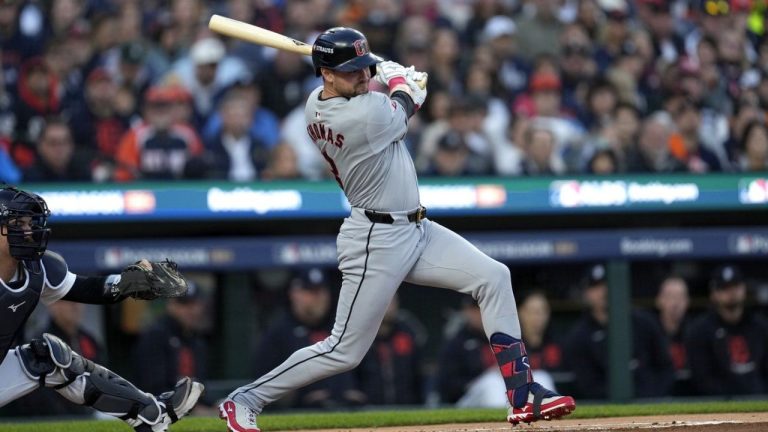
(57, 157)
(672, 307)
(587, 347)
(464, 356)
(727, 345)
(173, 346)
(308, 320)
(390, 374)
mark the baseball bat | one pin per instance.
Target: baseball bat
(260, 36)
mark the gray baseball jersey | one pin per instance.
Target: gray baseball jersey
(361, 139)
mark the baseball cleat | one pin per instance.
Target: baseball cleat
(542, 404)
(240, 418)
(175, 404)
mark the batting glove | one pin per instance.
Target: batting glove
(417, 83)
(390, 74)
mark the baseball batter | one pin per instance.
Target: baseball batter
(387, 239)
(30, 273)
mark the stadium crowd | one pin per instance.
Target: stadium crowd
(118, 90)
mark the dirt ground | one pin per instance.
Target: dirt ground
(742, 422)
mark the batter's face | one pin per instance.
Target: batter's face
(346, 84)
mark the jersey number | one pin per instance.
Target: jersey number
(334, 170)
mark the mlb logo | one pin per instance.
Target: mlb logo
(754, 191)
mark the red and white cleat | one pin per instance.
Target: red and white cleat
(542, 404)
(240, 418)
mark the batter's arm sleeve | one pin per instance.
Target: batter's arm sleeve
(386, 121)
(406, 101)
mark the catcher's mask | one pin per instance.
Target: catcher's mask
(23, 220)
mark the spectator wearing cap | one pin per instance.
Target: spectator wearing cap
(133, 71)
(512, 71)
(58, 158)
(206, 72)
(159, 147)
(174, 346)
(727, 345)
(587, 346)
(391, 372)
(308, 320)
(615, 32)
(18, 43)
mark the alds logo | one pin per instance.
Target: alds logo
(319, 132)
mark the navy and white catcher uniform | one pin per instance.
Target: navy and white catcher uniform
(387, 239)
(30, 274)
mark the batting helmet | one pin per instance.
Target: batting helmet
(343, 49)
(27, 239)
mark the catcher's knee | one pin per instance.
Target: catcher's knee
(43, 358)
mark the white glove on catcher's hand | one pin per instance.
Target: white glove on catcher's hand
(387, 71)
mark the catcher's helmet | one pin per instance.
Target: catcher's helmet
(27, 241)
(343, 49)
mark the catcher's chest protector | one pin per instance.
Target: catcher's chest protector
(17, 301)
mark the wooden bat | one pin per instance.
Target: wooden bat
(260, 36)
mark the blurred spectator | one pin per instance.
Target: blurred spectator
(236, 153)
(263, 123)
(603, 162)
(539, 33)
(9, 173)
(309, 161)
(544, 352)
(158, 148)
(38, 96)
(540, 157)
(283, 164)
(727, 345)
(754, 148)
(206, 73)
(173, 345)
(464, 357)
(656, 16)
(391, 372)
(22, 36)
(308, 320)
(133, 71)
(672, 303)
(444, 61)
(285, 82)
(96, 127)
(58, 159)
(587, 350)
(577, 66)
(652, 153)
(510, 69)
(685, 144)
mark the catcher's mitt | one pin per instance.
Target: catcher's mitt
(162, 280)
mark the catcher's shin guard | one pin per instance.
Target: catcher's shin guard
(51, 361)
(529, 401)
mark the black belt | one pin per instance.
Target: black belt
(386, 218)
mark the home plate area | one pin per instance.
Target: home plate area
(739, 422)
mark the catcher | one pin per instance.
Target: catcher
(29, 273)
